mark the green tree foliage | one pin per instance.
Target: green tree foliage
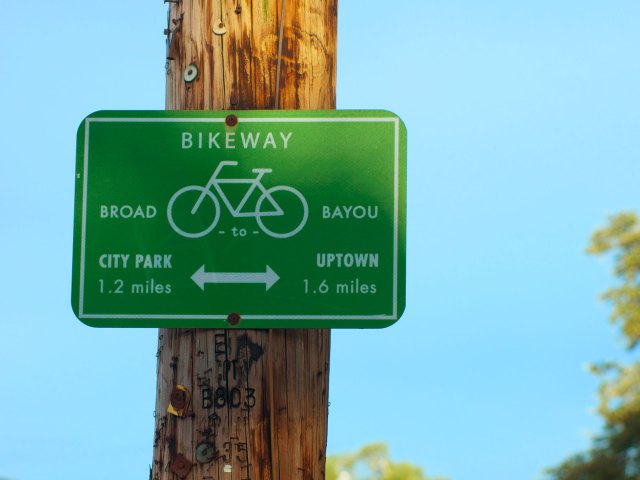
(615, 454)
(372, 462)
(622, 238)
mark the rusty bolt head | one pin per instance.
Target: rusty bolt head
(178, 399)
(231, 120)
(233, 318)
(238, 10)
(181, 466)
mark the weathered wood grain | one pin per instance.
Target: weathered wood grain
(258, 397)
(237, 69)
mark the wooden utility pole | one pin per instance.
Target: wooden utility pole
(245, 404)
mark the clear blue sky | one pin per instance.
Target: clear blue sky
(523, 122)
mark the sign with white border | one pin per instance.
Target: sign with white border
(262, 219)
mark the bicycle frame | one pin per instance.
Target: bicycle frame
(254, 183)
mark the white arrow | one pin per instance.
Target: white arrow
(269, 277)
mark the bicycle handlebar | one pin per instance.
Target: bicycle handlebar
(230, 163)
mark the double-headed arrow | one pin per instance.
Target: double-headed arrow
(269, 277)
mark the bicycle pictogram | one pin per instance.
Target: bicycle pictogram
(194, 211)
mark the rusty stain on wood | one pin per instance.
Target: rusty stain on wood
(259, 397)
(242, 63)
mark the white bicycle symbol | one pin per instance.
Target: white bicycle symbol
(266, 205)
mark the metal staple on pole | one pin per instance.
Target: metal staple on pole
(276, 103)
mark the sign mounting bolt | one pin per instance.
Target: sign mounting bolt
(231, 121)
(233, 319)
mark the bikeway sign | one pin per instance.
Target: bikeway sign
(261, 219)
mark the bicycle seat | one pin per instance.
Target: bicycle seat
(262, 170)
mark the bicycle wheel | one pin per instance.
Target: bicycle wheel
(285, 212)
(184, 220)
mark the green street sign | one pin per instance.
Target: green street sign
(265, 219)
